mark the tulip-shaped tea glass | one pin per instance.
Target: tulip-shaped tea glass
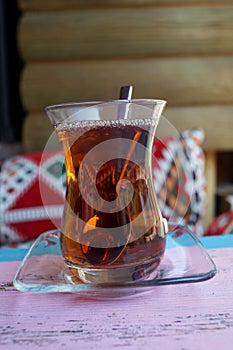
(112, 229)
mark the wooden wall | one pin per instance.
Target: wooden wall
(180, 51)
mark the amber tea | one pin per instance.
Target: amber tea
(109, 217)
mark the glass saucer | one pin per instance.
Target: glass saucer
(44, 270)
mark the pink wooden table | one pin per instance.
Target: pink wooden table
(185, 316)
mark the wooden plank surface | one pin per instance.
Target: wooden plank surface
(44, 5)
(216, 121)
(180, 81)
(186, 316)
(126, 33)
(211, 183)
(36, 132)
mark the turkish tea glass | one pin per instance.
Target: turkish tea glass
(112, 228)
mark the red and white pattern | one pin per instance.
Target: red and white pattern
(32, 187)
(221, 225)
(178, 170)
(22, 213)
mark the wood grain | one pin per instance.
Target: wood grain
(216, 121)
(186, 316)
(36, 132)
(211, 182)
(126, 33)
(44, 5)
(180, 81)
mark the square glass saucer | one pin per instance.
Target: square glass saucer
(44, 270)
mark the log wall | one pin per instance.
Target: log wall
(180, 51)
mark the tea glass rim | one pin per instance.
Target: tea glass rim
(99, 102)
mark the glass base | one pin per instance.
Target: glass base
(116, 275)
(44, 269)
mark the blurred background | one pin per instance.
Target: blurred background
(72, 50)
